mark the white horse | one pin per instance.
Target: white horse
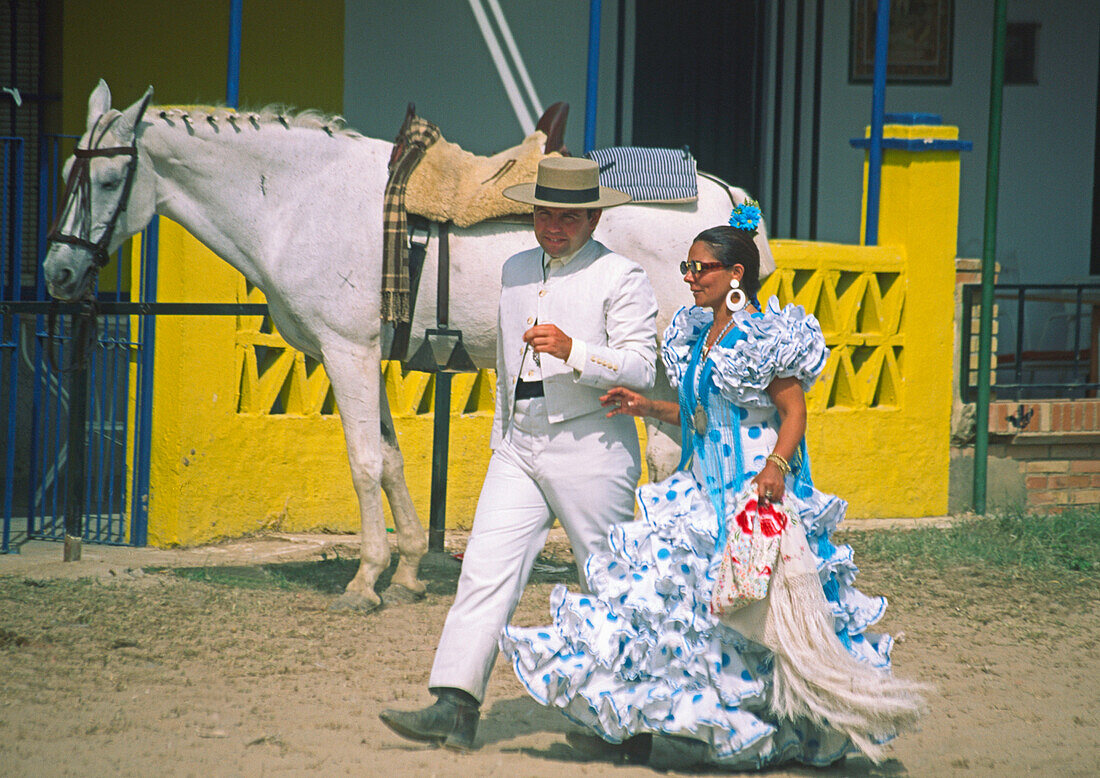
(295, 204)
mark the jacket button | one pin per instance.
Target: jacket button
(542, 293)
(530, 320)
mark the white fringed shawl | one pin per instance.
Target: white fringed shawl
(815, 676)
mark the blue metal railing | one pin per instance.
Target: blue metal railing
(116, 479)
(1058, 359)
(11, 260)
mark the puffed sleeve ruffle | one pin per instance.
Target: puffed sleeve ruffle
(680, 336)
(781, 343)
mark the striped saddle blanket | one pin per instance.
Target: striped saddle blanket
(648, 175)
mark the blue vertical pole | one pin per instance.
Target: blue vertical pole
(878, 111)
(143, 419)
(233, 74)
(594, 15)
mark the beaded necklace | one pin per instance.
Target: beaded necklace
(707, 348)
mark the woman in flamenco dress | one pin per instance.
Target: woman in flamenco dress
(641, 659)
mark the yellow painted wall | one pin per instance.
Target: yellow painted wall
(216, 472)
(859, 294)
(919, 212)
(245, 435)
(224, 465)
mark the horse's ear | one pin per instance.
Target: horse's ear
(99, 103)
(131, 116)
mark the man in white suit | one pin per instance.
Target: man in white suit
(574, 320)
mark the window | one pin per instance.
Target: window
(1020, 45)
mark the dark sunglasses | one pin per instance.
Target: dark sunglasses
(697, 267)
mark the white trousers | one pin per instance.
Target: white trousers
(582, 472)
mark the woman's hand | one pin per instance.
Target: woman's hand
(770, 483)
(625, 401)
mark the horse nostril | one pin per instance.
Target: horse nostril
(63, 277)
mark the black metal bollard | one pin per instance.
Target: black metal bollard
(441, 438)
(82, 340)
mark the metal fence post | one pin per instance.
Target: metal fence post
(989, 258)
(441, 439)
(78, 436)
(878, 109)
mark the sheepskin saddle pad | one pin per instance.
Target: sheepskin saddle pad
(453, 185)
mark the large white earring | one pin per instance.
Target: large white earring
(735, 294)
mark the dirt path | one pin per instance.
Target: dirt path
(126, 673)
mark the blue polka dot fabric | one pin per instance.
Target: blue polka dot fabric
(642, 652)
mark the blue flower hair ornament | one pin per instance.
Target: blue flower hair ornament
(746, 215)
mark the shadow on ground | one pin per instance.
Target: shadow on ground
(508, 719)
(331, 574)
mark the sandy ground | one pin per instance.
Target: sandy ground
(109, 670)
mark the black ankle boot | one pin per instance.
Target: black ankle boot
(451, 721)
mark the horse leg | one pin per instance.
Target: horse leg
(412, 541)
(355, 384)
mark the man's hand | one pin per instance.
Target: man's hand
(548, 339)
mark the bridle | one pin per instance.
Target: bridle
(80, 184)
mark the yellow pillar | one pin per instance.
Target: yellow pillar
(919, 210)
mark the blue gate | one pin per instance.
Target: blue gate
(11, 250)
(34, 395)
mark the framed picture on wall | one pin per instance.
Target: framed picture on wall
(921, 32)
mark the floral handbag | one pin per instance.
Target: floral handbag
(752, 546)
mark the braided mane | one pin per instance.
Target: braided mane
(271, 115)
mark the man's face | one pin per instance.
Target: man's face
(562, 231)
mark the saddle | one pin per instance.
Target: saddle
(450, 184)
(431, 179)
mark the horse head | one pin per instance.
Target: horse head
(107, 197)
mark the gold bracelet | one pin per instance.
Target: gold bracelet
(780, 462)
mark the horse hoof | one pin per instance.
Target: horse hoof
(349, 601)
(397, 594)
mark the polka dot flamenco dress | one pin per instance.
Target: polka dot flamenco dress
(642, 652)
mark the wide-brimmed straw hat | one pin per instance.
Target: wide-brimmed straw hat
(567, 182)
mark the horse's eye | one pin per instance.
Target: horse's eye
(110, 182)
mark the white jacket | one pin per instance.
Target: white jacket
(600, 298)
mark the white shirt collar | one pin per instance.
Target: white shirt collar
(548, 260)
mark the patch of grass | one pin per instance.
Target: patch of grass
(10, 638)
(1068, 542)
